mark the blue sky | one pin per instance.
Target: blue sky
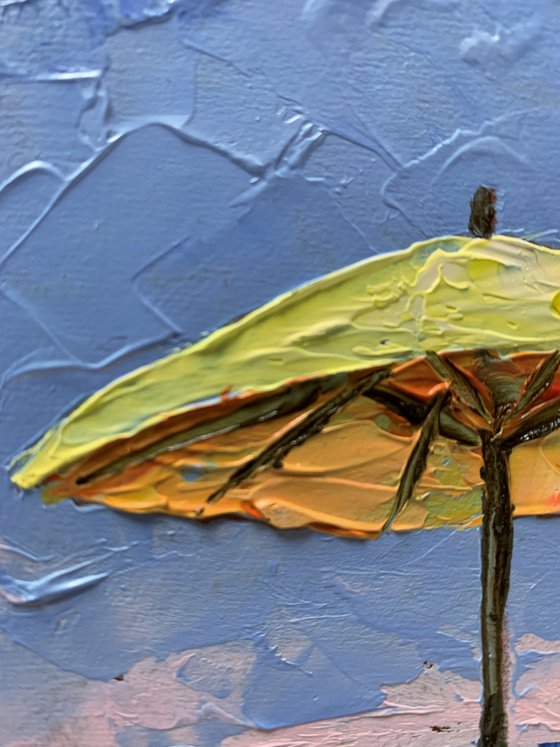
(168, 166)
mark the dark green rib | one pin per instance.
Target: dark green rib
(462, 387)
(277, 405)
(539, 424)
(538, 382)
(313, 423)
(416, 462)
(415, 412)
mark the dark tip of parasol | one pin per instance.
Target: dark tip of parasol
(482, 222)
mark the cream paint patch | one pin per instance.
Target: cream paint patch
(438, 708)
(163, 696)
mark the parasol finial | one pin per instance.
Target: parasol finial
(482, 222)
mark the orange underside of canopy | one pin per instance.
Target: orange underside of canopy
(342, 480)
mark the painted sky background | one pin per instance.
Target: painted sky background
(164, 167)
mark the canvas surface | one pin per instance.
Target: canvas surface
(167, 167)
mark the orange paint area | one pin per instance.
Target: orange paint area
(342, 479)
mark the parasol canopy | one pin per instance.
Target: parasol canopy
(311, 410)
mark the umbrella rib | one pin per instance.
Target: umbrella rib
(304, 396)
(312, 424)
(462, 387)
(457, 431)
(534, 426)
(407, 407)
(539, 381)
(418, 457)
(415, 412)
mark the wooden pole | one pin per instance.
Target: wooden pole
(496, 552)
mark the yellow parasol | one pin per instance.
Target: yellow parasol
(412, 390)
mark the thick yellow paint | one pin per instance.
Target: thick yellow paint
(445, 294)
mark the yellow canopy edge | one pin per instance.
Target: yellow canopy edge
(448, 293)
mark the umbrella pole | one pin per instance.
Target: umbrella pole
(496, 552)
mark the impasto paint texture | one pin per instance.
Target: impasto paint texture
(165, 168)
(210, 430)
